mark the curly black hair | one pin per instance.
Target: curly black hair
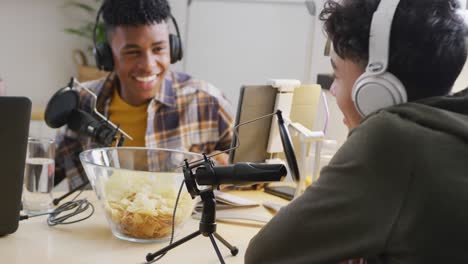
(427, 44)
(134, 12)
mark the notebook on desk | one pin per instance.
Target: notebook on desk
(15, 113)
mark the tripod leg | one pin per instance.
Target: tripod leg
(234, 250)
(152, 256)
(213, 241)
(57, 200)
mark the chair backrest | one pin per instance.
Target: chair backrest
(305, 103)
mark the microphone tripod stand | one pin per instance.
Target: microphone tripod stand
(207, 225)
(56, 201)
(207, 228)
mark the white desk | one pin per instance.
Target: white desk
(91, 241)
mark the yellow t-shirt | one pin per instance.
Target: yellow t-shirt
(132, 120)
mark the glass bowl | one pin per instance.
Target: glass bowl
(137, 188)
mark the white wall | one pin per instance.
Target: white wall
(246, 42)
(462, 81)
(35, 54)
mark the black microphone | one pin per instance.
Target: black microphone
(63, 108)
(84, 123)
(240, 173)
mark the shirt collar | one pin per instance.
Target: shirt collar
(166, 95)
(104, 92)
(173, 81)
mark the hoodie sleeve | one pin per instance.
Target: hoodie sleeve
(350, 211)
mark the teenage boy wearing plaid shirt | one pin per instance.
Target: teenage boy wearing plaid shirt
(157, 107)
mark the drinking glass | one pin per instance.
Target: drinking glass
(39, 176)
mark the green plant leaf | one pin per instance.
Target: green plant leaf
(100, 33)
(86, 29)
(86, 7)
(77, 32)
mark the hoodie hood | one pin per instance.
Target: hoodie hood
(447, 114)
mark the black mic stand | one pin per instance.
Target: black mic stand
(56, 201)
(207, 225)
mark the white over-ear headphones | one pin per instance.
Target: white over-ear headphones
(376, 88)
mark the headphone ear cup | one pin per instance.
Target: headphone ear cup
(373, 92)
(103, 56)
(175, 48)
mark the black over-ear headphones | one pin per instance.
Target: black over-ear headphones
(103, 52)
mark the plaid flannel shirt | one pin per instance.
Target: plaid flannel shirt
(185, 114)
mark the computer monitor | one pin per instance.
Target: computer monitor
(15, 113)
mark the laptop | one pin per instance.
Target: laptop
(15, 113)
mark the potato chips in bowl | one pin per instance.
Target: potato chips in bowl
(138, 187)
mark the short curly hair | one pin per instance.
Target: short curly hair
(134, 12)
(427, 44)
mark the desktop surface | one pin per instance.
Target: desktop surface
(91, 241)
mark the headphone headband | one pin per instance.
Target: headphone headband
(379, 37)
(174, 22)
(95, 28)
(376, 88)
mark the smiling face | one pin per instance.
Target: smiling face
(346, 73)
(141, 60)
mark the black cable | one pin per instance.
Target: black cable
(173, 224)
(75, 206)
(23, 217)
(78, 207)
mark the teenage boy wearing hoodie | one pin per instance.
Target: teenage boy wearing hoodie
(397, 190)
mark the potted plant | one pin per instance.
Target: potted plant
(87, 71)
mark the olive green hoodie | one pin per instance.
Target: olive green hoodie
(395, 192)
